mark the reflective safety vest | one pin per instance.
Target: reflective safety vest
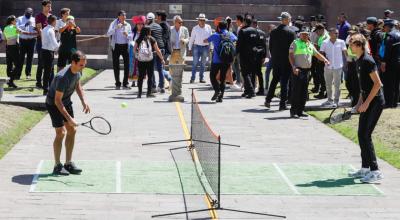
(10, 32)
(322, 39)
(303, 48)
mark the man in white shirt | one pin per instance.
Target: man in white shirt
(27, 39)
(49, 46)
(335, 50)
(200, 49)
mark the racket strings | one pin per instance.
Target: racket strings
(100, 125)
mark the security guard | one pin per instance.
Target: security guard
(390, 64)
(300, 56)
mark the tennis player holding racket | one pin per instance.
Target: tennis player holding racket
(59, 106)
(370, 105)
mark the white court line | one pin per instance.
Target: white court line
(288, 182)
(36, 176)
(373, 185)
(118, 177)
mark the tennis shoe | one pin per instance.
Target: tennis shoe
(60, 170)
(361, 173)
(72, 168)
(372, 177)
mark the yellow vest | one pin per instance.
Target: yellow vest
(303, 48)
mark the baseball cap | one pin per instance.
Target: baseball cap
(372, 20)
(284, 15)
(150, 16)
(388, 11)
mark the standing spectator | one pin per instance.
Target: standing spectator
(61, 25)
(41, 23)
(139, 22)
(220, 39)
(157, 33)
(388, 14)
(12, 50)
(179, 41)
(268, 64)
(375, 38)
(68, 42)
(120, 32)
(343, 26)
(322, 35)
(280, 40)
(236, 63)
(335, 50)
(161, 19)
(145, 46)
(300, 57)
(261, 54)
(27, 40)
(49, 47)
(314, 40)
(391, 64)
(199, 48)
(250, 59)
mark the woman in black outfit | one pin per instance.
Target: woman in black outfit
(146, 67)
(370, 105)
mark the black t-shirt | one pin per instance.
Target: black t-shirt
(68, 41)
(365, 66)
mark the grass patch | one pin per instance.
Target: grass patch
(386, 136)
(28, 86)
(14, 128)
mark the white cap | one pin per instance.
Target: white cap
(202, 17)
(150, 16)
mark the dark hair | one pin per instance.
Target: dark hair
(239, 18)
(319, 26)
(343, 15)
(51, 19)
(248, 20)
(10, 19)
(255, 21)
(121, 12)
(222, 25)
(77, 56)
(358, 40)
(162, 14)
(144, 35)
(46, 2)
(63, 11)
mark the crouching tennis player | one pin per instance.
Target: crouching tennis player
(59, 106)
(370, 105)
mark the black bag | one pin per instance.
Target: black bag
(226, 50)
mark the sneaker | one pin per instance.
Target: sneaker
(162, 91)
(372, 176)
(202, 81)
(60, 170)
(334, 105)
(72, 168)
(327, 104)
(267, 104)
(236, 88)
(219, 99)
(361, 173)
(28, 77)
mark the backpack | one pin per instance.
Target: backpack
(226, 50)
(145, 51)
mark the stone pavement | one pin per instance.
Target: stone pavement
(266, 136)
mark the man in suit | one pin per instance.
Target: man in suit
(179, 39)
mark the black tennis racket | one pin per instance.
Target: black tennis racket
(98, 124)
(340, 114)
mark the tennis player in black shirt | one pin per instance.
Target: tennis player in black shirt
(370, 105)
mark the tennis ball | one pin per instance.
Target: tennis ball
(124, 105)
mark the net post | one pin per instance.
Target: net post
(219, 173)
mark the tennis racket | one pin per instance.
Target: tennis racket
(340, 114)
(98, 124)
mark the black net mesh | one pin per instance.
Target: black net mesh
(206, 148)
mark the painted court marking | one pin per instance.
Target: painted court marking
(36, 176)
(288, 182)
(118, 177)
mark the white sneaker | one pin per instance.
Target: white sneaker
(372, 176)
(327, 104)
(236, 88)
(361, 173)
(334, 105)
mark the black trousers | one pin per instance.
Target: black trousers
(320, 75)
(120, 50)
(249, 71)
(27, 47)
(390, 80)
(299, 91)
(280, 74)
(366, 126)
(39, 71)
(222, 68)
(259, 76)
(12, 60)
(48, 68)
(145, 69)
(314, 76)
(352, 84)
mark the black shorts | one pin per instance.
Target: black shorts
(64, 58)
(57, 119)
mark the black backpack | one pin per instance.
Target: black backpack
(226, 50)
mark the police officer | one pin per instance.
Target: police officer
(247, 46)
(390, 64)
(375, 37)
(300, 56)
(261, 53)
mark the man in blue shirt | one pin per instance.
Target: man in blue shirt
(343, 26)
(217, 65)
